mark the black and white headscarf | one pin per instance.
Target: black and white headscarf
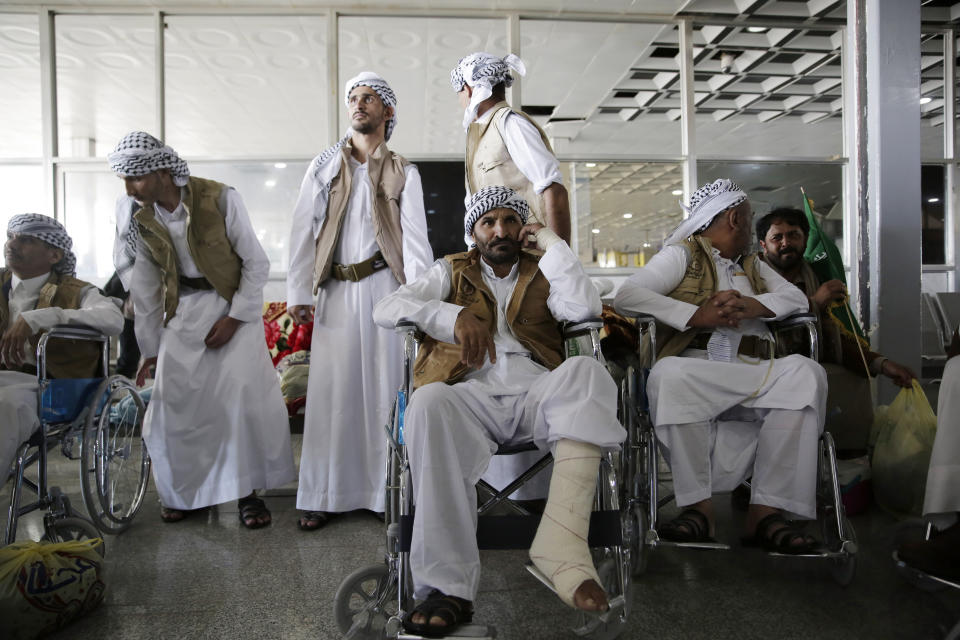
(330, 158)
(488, 198)
(139, 153)
(705, 204)
(481, 72)
(50, 231)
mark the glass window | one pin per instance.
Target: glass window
(22, 189)
(623, 210)
(89, 208)
(931, 97)
(932, 188)
(416, 55)
(246, 86)
(621, 99)
(106, 81)
(20, 126)
(773, 93)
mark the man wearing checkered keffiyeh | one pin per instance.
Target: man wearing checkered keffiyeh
(491, 372)
(495, 131)
(725, 408)
(359, 231)
(196, 282)
(38, 290)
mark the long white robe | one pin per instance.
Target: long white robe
(942, 499)
(452, 432)
(355, 366)
(18, 391)
(721, 420)
(216, 426)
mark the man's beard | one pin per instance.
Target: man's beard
(493, 253)
(785, 262)
(368, 126)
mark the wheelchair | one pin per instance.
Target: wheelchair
(95, 420)
(371, 602)
(923, 580)
(642, 463)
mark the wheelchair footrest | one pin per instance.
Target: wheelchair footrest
(517, 532)
(475, 631)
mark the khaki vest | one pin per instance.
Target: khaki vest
(65, 358)
(387, 172)
(210, 248)
(489, 163)
(698, 284)
(527, 314)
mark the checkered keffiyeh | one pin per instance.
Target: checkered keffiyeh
(50, 231)
(705, 204)
(482, 72)
(488, 198)
(139, 153)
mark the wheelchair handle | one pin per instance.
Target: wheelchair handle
(796, 319)
(574, 329)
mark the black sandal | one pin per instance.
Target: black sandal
(313, 520)
(452, 610)
(690, 526)
(252, 509)
(788, 538)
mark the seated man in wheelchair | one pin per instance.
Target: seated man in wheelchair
(37, 291)
(491, 371)
(723, 408)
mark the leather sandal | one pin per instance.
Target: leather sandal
(787, 538)
(252, 509)
(452, 610)
(690, 526)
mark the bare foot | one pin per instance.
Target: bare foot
(590, 596)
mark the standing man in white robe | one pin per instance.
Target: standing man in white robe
(216, 426)
(359, 232)
(38, 290)
(722, 407)
(491, 371)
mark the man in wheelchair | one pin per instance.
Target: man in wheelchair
(723, 408)
(37, 291)
(489, 372)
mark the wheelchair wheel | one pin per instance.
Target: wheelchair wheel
(365, 600)
(613, 567)
(636, 526)
(67, 529)
(115, 466)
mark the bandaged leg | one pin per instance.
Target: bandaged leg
(560, 548)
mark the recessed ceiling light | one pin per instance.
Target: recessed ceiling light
(926, 99)
(280, 165)
(628, 215)
(933, 200)
(591, 165)
(270, 184)
(757, 29)
(595, 230)
(677, 192)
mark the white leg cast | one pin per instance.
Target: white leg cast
(560, 548)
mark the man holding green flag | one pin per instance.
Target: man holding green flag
(784, 233)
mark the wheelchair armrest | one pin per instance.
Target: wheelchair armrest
(794, 320)
(406, 326)
(72, 332)
(575, 329)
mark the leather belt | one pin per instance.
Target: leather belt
(750, 346)
(201, 283)
(359, 270)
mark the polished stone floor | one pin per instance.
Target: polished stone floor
(208, 577)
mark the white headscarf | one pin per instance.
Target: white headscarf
(487, 199)
(705, 203)
(139, 153)
(50, 231)
(482, 72)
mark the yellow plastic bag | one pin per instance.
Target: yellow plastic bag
(903, 435)
(45, 585)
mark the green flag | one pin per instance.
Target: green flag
(824, 257)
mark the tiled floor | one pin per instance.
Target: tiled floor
(208, 577)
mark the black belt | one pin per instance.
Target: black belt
(359, 270)
(200, 283)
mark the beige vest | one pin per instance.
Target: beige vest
(65, 358)
(210, 248)
(387, 172)
(527, 314)
(698, 284)
(489, 163)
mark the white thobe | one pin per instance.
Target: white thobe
(356, 366)
(18, 391)
(216, 426)
(526, 149)
(452, 431)
(720, 421)
(942, 499)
